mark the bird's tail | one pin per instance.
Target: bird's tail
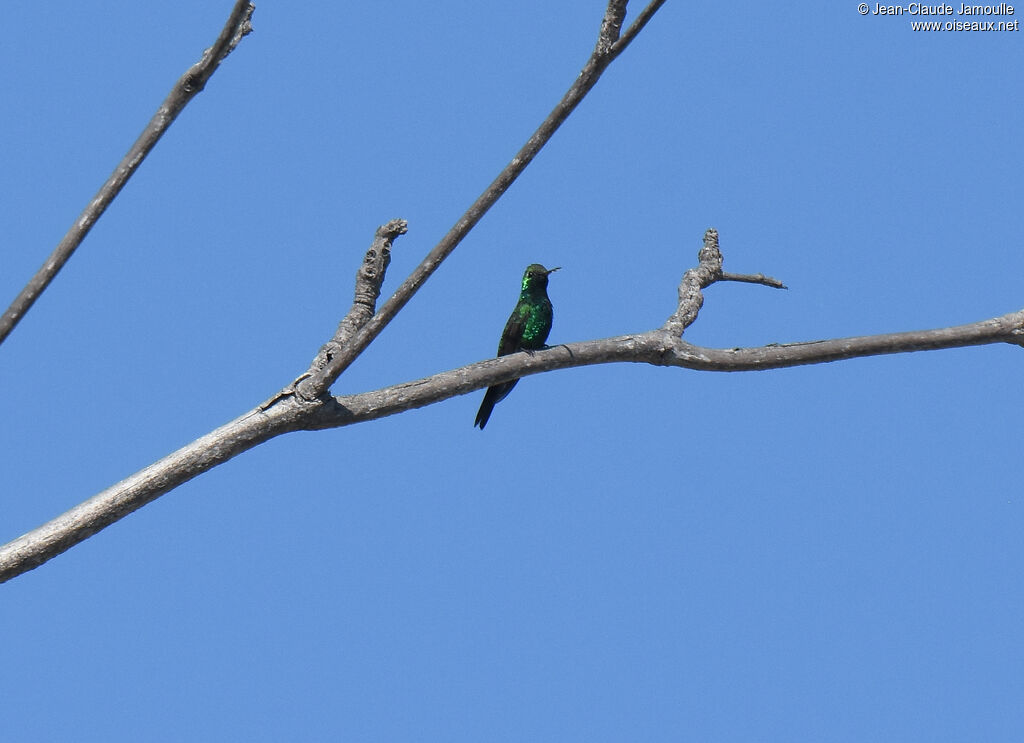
(492, 397)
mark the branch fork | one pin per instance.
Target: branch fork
(695, 280)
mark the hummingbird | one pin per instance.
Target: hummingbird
(526, 330)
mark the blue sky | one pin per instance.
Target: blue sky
(830, 553)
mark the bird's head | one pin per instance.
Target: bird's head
(537, 275)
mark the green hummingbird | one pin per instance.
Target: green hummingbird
(526, 330)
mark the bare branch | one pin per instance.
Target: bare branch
(661, 347)
(320, 383)
(636, 27)
(193, 81)
(753, 278)
(707, 272)
(113, 504)
(369, 279)
(611, 26)
(282, 413)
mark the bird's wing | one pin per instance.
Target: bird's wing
(512, 336)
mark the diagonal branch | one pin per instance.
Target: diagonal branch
(31, 550)
(193, 81)
(602, 56)
(266, 421)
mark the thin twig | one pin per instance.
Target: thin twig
(193, 81)
(318, 384)
(752, 278)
